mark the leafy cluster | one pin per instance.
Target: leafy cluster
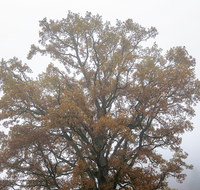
(98, 123)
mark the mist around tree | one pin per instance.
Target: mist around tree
(98, 122)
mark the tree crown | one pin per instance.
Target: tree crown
(98, 123)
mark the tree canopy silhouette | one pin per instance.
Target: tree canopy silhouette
(99, 122)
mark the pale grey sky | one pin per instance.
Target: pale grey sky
(177, 21)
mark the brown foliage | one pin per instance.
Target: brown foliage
(97, 124)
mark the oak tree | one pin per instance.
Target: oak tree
(100, 121)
